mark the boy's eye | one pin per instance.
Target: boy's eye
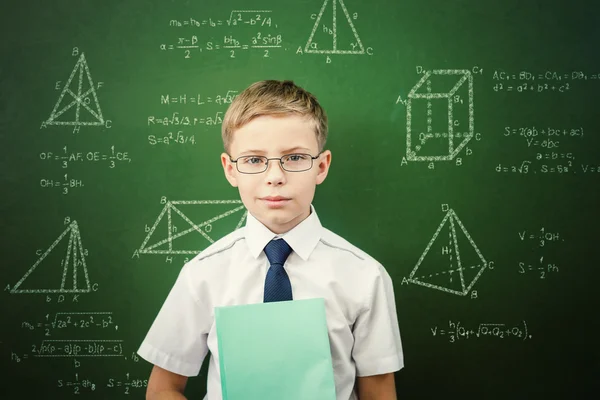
(296, 157)
(253, 160)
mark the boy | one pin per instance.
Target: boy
(274, 134)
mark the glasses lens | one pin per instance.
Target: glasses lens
(252, 164)
(296, 162)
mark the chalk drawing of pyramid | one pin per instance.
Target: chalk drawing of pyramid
(451, 261)
(188, 227)
(334, 31)
(78, 103)
(61, 269)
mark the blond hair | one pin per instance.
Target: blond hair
(272, 97)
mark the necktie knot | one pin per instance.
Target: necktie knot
(277, 251)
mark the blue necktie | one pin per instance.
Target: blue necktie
(277, 282)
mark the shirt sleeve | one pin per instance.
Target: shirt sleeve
(377, 345)
(177, 340)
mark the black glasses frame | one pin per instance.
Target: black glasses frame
(275, 158)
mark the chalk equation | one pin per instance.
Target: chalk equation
(525, 81)
(457, 331)
(540, 268)
(183, 122)
(127, 385)
(178, 119)
(551, 150)
(172, 138)
(111, 158)
(540, 237)
(73, 322)
(540, 241)
(253, 30)
(198, 99)
(78, 348)
(64, 186)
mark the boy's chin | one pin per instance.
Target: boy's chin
(278, 218)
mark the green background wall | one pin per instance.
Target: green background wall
(524, 186)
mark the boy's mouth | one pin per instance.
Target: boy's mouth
(275, 201)
(275, 198)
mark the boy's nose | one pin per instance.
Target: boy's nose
(275, 175)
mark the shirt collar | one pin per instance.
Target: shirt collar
(302, 238)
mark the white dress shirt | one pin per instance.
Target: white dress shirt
(359, 302)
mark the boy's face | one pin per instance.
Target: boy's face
(277, 198)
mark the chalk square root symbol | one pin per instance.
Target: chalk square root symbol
(438, 274)
(73, 265)
(424, 90)
(166, 242)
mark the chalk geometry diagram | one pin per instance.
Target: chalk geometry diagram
(339, 38)
(439, 115)
(77, 93)
(173, 230)
(451, 261)
(74, 276)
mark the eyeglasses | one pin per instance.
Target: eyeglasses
(296, 162)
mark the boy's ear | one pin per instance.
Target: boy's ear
(324, 161)
(229, 169)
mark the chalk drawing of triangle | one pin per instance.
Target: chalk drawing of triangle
(162, 239)
(332, 47)
(441, 265)
(74, 274)
(78, 102)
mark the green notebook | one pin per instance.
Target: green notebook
(275, 351)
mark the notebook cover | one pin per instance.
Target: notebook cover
(274, 351)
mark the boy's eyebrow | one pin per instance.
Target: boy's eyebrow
(262, 151)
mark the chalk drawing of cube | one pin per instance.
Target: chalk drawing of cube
(439, 115)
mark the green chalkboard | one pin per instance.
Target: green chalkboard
(465, 159)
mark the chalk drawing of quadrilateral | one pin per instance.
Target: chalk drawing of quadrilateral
(439, 115)
(47, 269)
(78, 102)
(187, 227)
(339, 38)
(451, 261)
